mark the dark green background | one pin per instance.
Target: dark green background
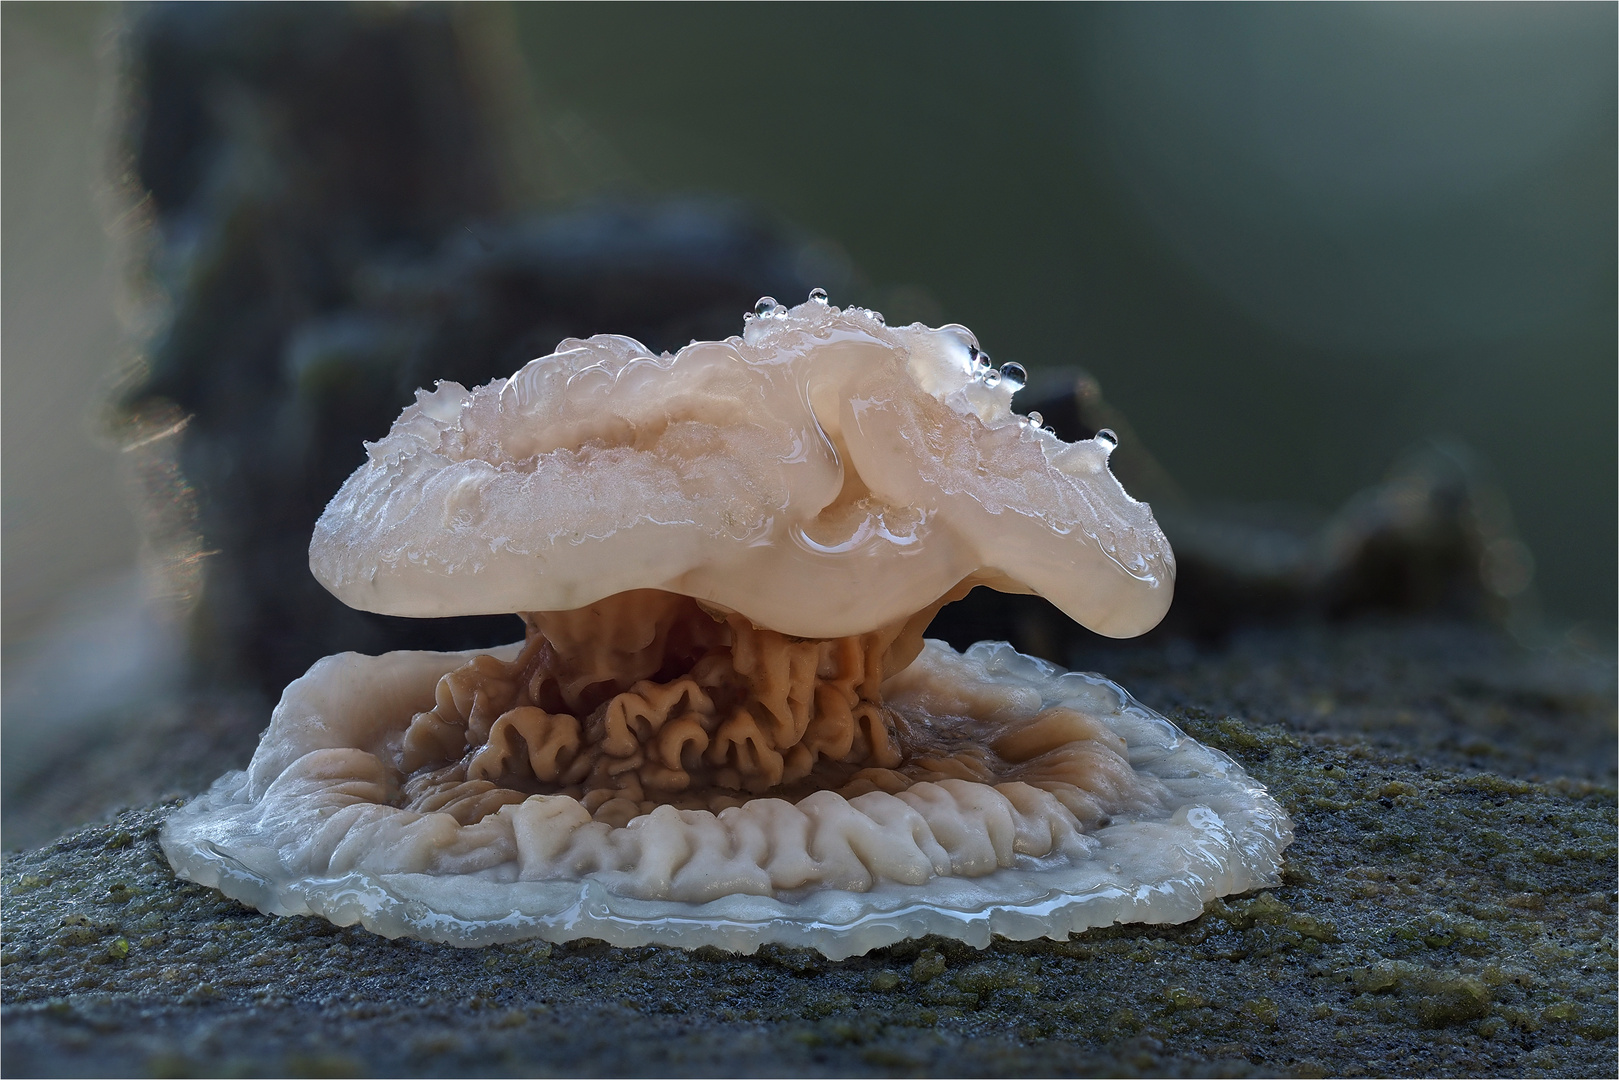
(1291, 241)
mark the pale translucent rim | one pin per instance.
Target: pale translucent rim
(1219, 833)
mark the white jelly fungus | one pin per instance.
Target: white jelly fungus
(723, 726)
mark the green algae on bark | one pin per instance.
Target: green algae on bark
(1430, 922)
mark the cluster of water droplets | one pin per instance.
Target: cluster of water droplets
(1016, 377)
(984, 370)
(1012, 374)
(767, 307)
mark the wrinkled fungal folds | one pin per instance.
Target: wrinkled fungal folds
(724, 725)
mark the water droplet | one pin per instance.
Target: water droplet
(818, 296)
(966, 335)
(1106, 435)
(1035, 419)
(1015, 375)
(981, 362)
(992, 377)
(766, 306)
(877, 317)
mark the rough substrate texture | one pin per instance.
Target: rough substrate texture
(1436, 919)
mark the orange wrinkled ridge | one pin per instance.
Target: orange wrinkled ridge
(648, 697)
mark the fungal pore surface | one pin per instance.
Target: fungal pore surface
(724, 725)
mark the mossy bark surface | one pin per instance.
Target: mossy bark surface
(1447, 909)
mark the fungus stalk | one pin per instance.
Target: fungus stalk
(645, 697)
(650, 698)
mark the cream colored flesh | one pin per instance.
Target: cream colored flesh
(823, 474)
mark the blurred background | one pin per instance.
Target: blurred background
(1342, 276)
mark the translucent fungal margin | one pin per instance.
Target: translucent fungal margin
(1215, 833)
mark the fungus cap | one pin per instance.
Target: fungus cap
(823, 475)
